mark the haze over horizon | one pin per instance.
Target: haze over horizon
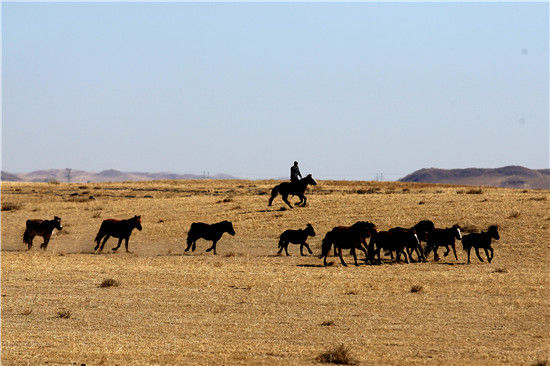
(348, 90)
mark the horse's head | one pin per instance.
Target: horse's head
(365, 228)
(493, 231)
(137, 222)
(57, 222)
(309, 230)
(456, 232)
(309, 180)
(228, 227)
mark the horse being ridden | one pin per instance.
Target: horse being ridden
(296, 237)
(348, 237)
(292, 188)
(120, 229)
(212, 232)
(443, 238)
(481, 240)
(43, 228)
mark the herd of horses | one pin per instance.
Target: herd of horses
(406, 242)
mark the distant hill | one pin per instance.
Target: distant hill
(111, 175)
(508, 176)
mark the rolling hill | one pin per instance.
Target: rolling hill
(110, 175)
(508, 177)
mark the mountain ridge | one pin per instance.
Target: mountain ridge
(511, 176)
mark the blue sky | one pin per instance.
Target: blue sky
(349, 90)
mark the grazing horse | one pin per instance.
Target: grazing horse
(411, 242)
(481, 240)
(43, 228)
(212, 232)
(296, 237)
(443, 238)
(394, 240)
(348, 237)
(292, 188)
(120, 229)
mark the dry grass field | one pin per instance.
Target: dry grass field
(247, 305)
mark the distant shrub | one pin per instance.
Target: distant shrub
(474, 191)
(337, 355)
(26, 312)
(421, 203)
(406, 190)
(53, 181)
(416, 288)
(460, 191)
(540, 363)
(82, 187)
(64, 314)
(500, 270)
(469, 229)
(327, 323)
(543, 198)
(11, 206)
(109, 282)
(514, 215)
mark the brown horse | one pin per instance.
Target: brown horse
(120, 229)
(212, 232)
(43, 228)
(296, 237)
(348, 237)
(394, 240)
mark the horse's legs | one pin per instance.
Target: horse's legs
(405, 255)
(303, 200)
(44, 245)
(366, 255)
(104, 241)
(468, 251)
(477, 253)
(302, 250)
(213, 247)
(273, 195)
(454, 251)
(31, 237)
(487, 254)
(126, 245)
(354, 256)
(286, 250)
(285, 199)
(341, 258)
(436, 256)
(308, 248)
(281, 247)
(118, 246)
(492, 254)
(448, 250)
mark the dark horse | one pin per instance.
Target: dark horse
(120, 229)
(393, 240)
(292, 188)
(212, 232)
(43, 228)
(443, 238)
(481, 240)
(296, 237)
(348, 237)
(411, 241)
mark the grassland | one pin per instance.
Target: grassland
(249, 306)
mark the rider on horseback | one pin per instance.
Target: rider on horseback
(295, 174)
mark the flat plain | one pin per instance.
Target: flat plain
(247, 305)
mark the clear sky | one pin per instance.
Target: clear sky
(348, 90)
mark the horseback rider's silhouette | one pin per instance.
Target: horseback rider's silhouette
(295, 174)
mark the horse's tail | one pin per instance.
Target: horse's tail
(274, 193)
(326, 244)
(27, 236)
(100, 233)
(190, 235)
